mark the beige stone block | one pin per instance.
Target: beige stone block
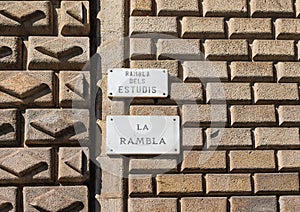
(141, 7)
(252, 115)
(173, 184)
(57, 127)
(145, 26)
(228, 184)
(297, 8)
(288, 71)
(276, 92)
(276, 182)
(289, 115)
(178, 7)
(203, 204)
(251, 71)
(9, 120)
(272, 8)
(186, 92)
(250, 28)
(142, 48)
(110, 204)
(287, 29)
(140, 184)
(229, 138)
(228, 93)
(289, 203)
(24, 166)
(203, 160)
(204, 71)
(192, 138)
(179, 49)
(152, 165)
(74, 89)
(226, 50)
(11, 53)
(288, 160)
(276, 138)
(199, 27)
(140, 110)
(58, 53)
(26, 88)
(203, 115)
(257, 160)
(252, 203)
(55, 198)
(25, 18)
(73, 164)
(8, 200)
(171, 65)
(152, 204)
(278, 50)
(230, 8)
(74, 18)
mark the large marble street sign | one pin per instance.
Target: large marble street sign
(151, 83)
(142, 135)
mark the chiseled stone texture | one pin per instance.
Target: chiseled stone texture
(74, 89)
(26, 18)
(9, 130)
(56, 198)
(142, 48)
(154, 110)
(288, 71)
(141, 7)
(185, 92)
(57, 126)
(152, 204)
(173, 184)
(289, 115)
(73, 164)
(228, 138)
(23, 166)
(227, 184)
(152, 165)
(178, 7)
(140, 184)
(287, 28)
(192, 138)
(203, 160)
(8, 199)
(10, 53)
(74, 18)
(276, 182)
(289, 203)
(58, 53)
(253, 203)
(272, 8)
(110, 204)
(288, 160)
(230, 8)
(203, 204)
(20, 88)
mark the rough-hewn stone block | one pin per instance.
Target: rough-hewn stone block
(56, 198)
(178, 7)
(251, 71)
(271, 8)
(289, 203)
(58, 53)
(287, 29)
(152, 165)
(56, 126)
(288, 160)
(73, 164)
(74, 89)
(228, 8)
(140, 184)
(289, 115)
(201, 204)
(204, 160)
(109, 204)
(253, 115)
(173, 184)
(278, 50)
(192, 138)
(199, 27)
(276, 137)
(257, 160)
(142, 48)
(276, 182)
(141, 7)
(276, 92)
(251, 203)
(8, 199)
(228, 184)
(226, 50)
(200, 115)
(152, 204)
(229, 138)
(9, 130)
(11, 53)
(154, 110)
(26, 18)
(288, 72)
(250, 28)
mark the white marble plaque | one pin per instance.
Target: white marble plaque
(152, 83)
(142, 135)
